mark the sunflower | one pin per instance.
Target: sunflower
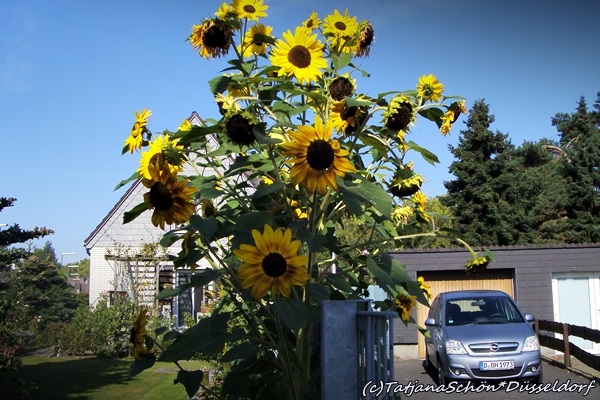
(185, 126)
(341, 87)
(400, 114)
(299, 54)
(272, 264)
(251, 9)
(316, 159)
(425, 287)
(339, 29)
(138, 335)
(346, 119)
(429, 88)
(477, 264)
(405, 182)
(420, 201)
(339, 25)
(447, 119)
(136, 138)
(161, 151)
(225, 11)
(170, 199)
(238, 128)
(312, 22)
(252, 44)
(366, 35)
(212, 38)
(208, 208)
(405, 304)
(227, 104)
(401, 214)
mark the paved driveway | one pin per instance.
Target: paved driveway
(558, 384)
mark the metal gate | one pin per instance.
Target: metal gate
(357, 347)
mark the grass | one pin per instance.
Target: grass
(66, 378)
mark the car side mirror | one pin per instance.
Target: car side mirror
(529, 317)
(430, 322)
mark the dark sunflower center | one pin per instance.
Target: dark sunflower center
(239, 130)
(427, 90)
(214, 37)
(340, 88)
(319, 155)
(349, 112)
(401, 119)
(161, 197)
(299, 56)
(249, 9)
(340, 26)
(274, 265)
(135, 128)
(309, 24)
(367, 37)
(132, 335)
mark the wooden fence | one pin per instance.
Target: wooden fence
(564, 345)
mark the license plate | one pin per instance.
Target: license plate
(496, 365)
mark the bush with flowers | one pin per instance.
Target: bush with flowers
(297, 153)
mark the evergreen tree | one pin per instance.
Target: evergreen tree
(477, 197)
(538, 195)
(580, 140)
(10, 340)
(47, 253)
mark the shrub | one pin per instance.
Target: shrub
(101, 330)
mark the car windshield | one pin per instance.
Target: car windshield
(481, 310)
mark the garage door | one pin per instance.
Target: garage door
(446, 281)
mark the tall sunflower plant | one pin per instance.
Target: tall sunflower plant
(256, 196)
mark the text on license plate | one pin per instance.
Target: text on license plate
(496, 365)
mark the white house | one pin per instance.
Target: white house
(125, 261)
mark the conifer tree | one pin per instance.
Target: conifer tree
(477, 196)
(580, 140)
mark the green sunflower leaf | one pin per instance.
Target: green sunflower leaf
(137, 366)
(255, 220)
(433, 114)
(292, 312)
(205, 226)
(339, 282)
(342, 61)
(207, 337)
(219, 84)
(265, 190)
(124, 182)
(241, 351)
(426, 154)
(353, 102)
(135, 212)
(365, 192)
(169, 238)
(318, 293)
(191, 380)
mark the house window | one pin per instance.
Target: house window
(116, 297)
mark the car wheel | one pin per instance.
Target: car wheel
(427, 363)
(442, 380)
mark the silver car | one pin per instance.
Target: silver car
(481, 335)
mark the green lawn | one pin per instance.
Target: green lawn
(95, 379)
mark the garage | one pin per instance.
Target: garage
(445, 281)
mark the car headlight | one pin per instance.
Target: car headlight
(531, 344)
(454, 347)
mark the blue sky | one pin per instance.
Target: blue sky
(72, 73)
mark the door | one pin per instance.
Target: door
(445, 281)
(576, 300)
